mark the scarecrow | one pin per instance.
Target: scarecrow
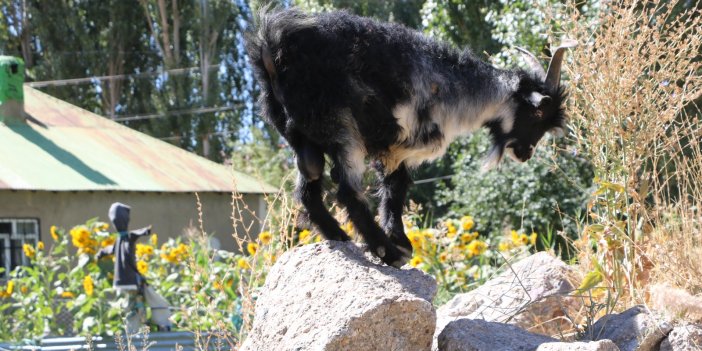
(127, 279)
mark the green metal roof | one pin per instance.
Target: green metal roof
(65, 148)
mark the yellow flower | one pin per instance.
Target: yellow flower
(217, 285)
(40, 245)
(154, 239)
(101, 227)
(468, 237)
(504, 246)
(265, 237)
(443, 257)
(243, 263)
(54, 233)
(476, 247)
(515, 237)
(305, 236)
(416, 238)
(28, 250)
(467, 223)
(10, 287)
(108, 241)
(24, 290)
(269, 257)
(523, 239)
(252, 248)
(88, 285)
(81, 237)
(144, 251)
(451, 229)
(416, 261)
(532, 238)
(67, 295)
(142, 267)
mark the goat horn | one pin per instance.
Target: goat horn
(533, 62)
(553, 77)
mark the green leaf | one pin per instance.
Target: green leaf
(590, 281)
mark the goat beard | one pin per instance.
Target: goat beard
(494, 157)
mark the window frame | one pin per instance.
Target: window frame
(6, 242)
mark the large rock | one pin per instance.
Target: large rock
(480, 335)
(329, 296)
(683, 338)
(635, 329)
(678, 304)
(532, 294)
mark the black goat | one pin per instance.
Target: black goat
(351, 88)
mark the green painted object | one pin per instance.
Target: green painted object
(11, 79)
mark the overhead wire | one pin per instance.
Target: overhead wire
(83, 80)
(194, 111)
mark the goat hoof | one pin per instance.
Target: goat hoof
(393, 256)
(380, 251)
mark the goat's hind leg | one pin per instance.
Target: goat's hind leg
(310, 162)
(351, 196)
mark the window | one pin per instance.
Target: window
(14, 233)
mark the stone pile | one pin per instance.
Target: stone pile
(335, 296)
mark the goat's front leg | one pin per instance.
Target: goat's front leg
(393, 192)
(351, 196)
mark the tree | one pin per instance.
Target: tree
(177, 67)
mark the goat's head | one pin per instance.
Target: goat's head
(538, 108)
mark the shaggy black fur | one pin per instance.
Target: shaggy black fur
(338, 84)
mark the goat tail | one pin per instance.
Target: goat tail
(263, 45)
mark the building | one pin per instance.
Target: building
(62, 165)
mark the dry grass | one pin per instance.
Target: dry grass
(634, 80)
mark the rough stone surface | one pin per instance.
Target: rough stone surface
(684, 338)
(480, 335)
(635, 329)
(332, 296)
(602, 345)
(678, 304)
(531, 294)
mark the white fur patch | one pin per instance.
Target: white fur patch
(493, 158)
(456, 119)
(354, 154)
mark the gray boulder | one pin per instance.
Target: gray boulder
(683, 338)
(480, 335)
(532, 294)
(332, 296)
(635, 329)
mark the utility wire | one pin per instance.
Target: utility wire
(195, 111)
(178, 137)
(431, 180)
(75, 81)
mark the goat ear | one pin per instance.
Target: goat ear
(538, 100)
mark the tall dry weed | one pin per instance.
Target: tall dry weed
(634, 81)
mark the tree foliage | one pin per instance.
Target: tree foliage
(178, 66)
